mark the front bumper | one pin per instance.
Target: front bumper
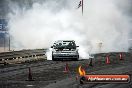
(65, 56)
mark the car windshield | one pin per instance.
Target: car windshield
(64, 45)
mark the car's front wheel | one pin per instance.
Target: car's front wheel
(53, 58)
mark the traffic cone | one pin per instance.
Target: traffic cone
(107, 59)
(121, 56)
(91, 62)
(30, 75)
(66, 69)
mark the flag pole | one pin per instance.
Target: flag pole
(9, 43)
(82, 7)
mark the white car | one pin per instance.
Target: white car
(65, 50)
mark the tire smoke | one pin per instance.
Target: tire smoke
(102, 28)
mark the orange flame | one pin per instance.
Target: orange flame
(81, 71)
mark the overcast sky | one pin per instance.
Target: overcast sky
(4, 5)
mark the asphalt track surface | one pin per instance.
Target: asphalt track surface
(50, 74)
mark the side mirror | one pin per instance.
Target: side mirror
(77, 46)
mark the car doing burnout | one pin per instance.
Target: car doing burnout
(65, 50)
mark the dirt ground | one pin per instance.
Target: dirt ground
(50, 74)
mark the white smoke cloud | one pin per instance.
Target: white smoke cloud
(102, 28)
